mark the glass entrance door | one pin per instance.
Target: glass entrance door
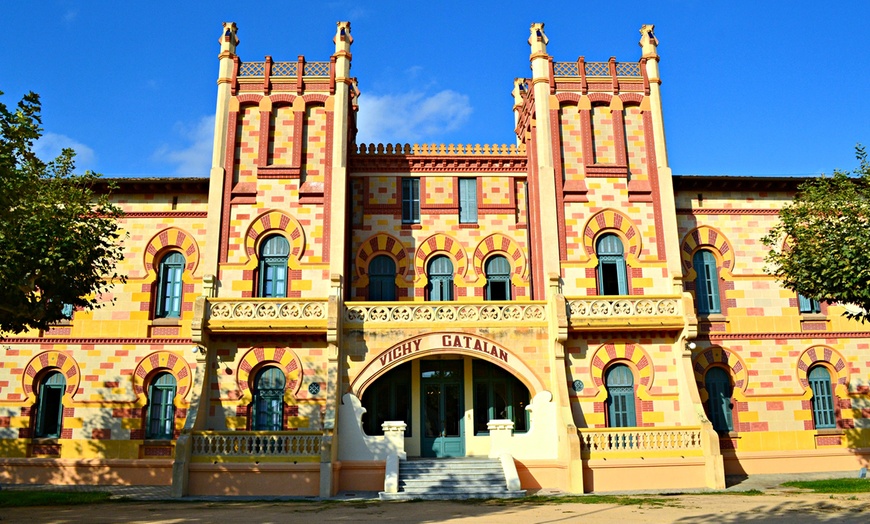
(443, 432)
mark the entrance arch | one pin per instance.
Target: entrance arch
(445, 343)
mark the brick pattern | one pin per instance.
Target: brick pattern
(603, 141)
(635, 141)
(281, 137)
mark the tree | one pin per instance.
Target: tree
(821, 246)
(59, 237)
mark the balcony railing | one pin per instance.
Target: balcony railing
(266, 314)
(626, 312)
(388, 313)
(632, 442)
(240, 446)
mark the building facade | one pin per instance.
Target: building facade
(316, 310)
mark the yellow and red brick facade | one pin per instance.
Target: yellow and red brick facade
(590, 162)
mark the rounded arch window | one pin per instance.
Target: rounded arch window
(169, 285)
(161, 407)
(612, 278)
(382, 278)
(498, 278)
(274, 252)
(268, 399)
(619, 382)
(718, 384)
(706, 282)
(819, 379)
(440, 278)
(49, 405)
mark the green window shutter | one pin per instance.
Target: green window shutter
(170, 286)
(467, 200)
(49, 411)
(808, 305)
(706, 282)
(274, 253)
(718, 386)
(823, 397)
(440, 278)
(268, 401)
(382, 278)
(619, 382)
(161, 407)
(410, 200)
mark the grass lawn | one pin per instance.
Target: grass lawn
(20, 499)
(852, 485)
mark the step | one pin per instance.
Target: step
(453, 495)
(445, 479)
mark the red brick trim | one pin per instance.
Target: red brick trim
(788, 336)
(723, 211)
(88, 341)
(652, 167)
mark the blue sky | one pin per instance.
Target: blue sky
(749, 87)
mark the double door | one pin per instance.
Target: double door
(441, 386)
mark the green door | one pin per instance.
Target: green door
(443, 432)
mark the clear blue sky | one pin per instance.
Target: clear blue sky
(749, 87)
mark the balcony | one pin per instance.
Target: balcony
(457, 314)
(625, 313)
(261, 315)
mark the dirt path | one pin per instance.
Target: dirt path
(784, 507)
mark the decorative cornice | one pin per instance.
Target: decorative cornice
(68, 341)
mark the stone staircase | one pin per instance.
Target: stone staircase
(458, 478)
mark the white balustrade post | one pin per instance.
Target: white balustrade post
(500, 434)
(394, 432)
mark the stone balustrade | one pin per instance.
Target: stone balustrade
(626, 312)
(217, 445)
(263, 314)
(485, 313)
(666, 441)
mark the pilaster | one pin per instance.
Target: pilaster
(227, 59)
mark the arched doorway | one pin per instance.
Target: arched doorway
(446, 401)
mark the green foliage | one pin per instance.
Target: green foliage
(827, 252)
(59, 238)
(23, 499)
(852, 485)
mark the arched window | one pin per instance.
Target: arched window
(268, 408)
(498, 278)
(273, 267)
(49, 405)
(619, 382)
(823, 397)
(161, 407)
(611, 266)
(382, 278)
(441, 278)
(718, 385)
(707, 282)
(169, 286)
